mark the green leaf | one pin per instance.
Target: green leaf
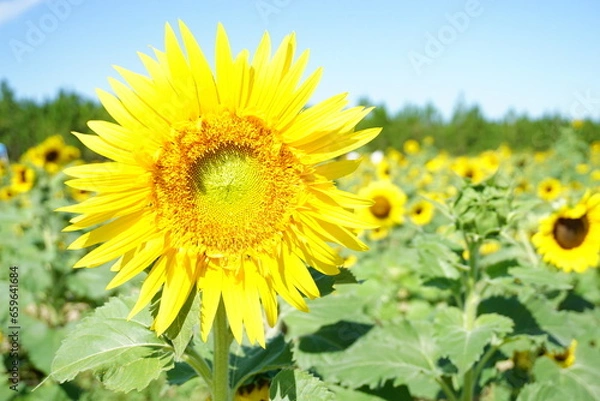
(326, 283)
(402, 351)
(543, 392)
(437, 260)
(581, 381)
(345, 394)
(562, 325)
(181, 331)
(113, 348)
(542, 278)
(524, 322)
(463, 344)
(251, 361)
(135, 374)
(313, 349)
(181, 373)
(346, 303)
(296, 385)
(41, 342)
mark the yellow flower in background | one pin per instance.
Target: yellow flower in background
(570, 238)
(395, 157)
(438, 163)
(489, 161)
(489, 247)
(577, 124)
(51, 154)
(411, 147)
(4, 168)
(350, 261)
(383, 170)
(223, 182)
(253, 392)
(421, 212)
(549, 189)
(582, 168)
(540, 157)
(7, 193)
(79, 195)
(22, 177)
(468, 168)
(522, 186)
(565, 358)
(379, 233)
(388, 200)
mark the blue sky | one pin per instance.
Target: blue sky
(532, 57)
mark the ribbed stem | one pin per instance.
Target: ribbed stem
(222, 341)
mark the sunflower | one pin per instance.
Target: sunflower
(51, 154)
(421, 212)
(383, 170)
(388, 200)
(253, 392)
(549, 189)
(22, 178)
(469, 168)
(570, 238)
(411, 147)
(565, 358)
(221, 183)
(7, 193)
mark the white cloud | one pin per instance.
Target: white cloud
(13, 8)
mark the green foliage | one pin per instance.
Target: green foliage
(295, 385)
(125, 354)
(25, 123)
(468, 131)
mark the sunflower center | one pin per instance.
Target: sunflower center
(382, 207)
(227, 178)
(570, 233)
(51, 156)
(224, 185)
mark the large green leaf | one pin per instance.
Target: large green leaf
(544, 392)
(542, 278)
(562, 325)
(296, 385)
(125, 354)
(250, 361)
(463, 344)
(348, 303)
(437, 259)
(402, 351)
(581, 381)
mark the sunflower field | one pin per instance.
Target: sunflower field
(280, 251)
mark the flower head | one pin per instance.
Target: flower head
(222, 183)
(387, 209)
(51, 154)
(570, 238)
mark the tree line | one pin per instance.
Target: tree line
(25, 123)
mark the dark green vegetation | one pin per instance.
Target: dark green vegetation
(25, 123)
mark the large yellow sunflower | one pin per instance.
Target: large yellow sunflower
(570, 238)
(222, 183)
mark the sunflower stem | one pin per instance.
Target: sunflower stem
(195, 360)
(222, 341)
